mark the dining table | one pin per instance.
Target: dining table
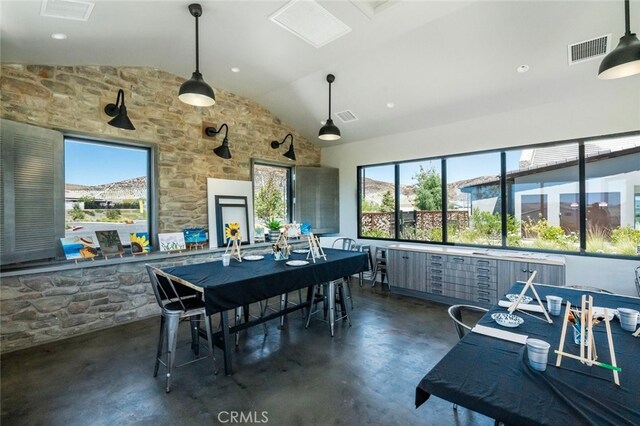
(251, 281)
(493, 377)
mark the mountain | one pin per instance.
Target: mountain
(129, 189)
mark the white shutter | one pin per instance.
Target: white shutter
(317, 198)
(32, 198)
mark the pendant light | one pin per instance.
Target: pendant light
(624, 60)
(329, 132)
(196, 91)
(223, 150)
(290, 154)
(119, 112)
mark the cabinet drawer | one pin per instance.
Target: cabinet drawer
(470, 267)
(464, 277)
(484, 262)
(458, 260)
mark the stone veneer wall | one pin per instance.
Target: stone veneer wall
(72, 98)
(45, 306)
(40, 307)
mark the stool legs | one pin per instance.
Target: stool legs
(160, 342)
(172, 323)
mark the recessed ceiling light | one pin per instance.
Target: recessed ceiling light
(523, 68)
(59, 36)
(390, 105)
(235, 69)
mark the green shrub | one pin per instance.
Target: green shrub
(89, 212)
(624, 234)
(113, 214)
(376, 233)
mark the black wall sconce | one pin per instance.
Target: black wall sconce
(290, 154)
(223, 150)
(119, 111)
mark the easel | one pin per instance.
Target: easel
(529, 284)
(315, 251)
(235, 249)
(586, 326)
(282, 247)
(637, 333)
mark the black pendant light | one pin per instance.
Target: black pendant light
(624, 60)
(329, 132)
(290, 154)
(196, 91)
(119, 111)
(223, 150)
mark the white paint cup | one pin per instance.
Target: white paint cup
(538, 354)
(554, 305)
(628, 319)
(226, 259)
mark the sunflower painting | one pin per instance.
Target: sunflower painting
(139, 242)
(232, 231)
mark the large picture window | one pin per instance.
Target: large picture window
(579, 196)
(271, 196)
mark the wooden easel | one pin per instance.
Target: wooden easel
(586, 326)
(529, 284)
(282, 246)
(315, 251)
(235, 249)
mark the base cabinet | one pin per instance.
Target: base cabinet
(458, 278)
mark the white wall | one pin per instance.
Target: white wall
(611, 111)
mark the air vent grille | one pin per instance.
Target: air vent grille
(589, 49)
(75, 10)
(346, 116)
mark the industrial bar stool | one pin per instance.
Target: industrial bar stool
(178, 303)
(380, 265)
(332, 292)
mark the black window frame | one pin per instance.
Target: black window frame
(582, 161)
(290, 182)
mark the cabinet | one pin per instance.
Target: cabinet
(407, 269)
(462, 277)
(511, 271)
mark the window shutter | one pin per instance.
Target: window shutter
(32, 198)
(317, 198)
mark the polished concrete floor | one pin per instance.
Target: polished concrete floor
(365, 375)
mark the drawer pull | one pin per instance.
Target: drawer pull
(436, 271)
(436, 257)
(483, 262)
(405, 257)
(483, 293)
(458, 259)
(484, 270)
(437, 284)
(482, 299)
(483, 285)
(483, 277)
(437, 291)
(436, 263)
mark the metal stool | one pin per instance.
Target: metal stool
(365, 248)
(380, 265)
(332, 292)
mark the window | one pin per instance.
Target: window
(272, 195)
(612, 170)
(421, 201)
(542, 195)
(473, 196)
(377, 201)
(106, 188)
(532, 197)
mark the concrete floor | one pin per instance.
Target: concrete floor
(366, 374)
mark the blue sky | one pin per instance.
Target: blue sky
(96, 164)
(458, 168)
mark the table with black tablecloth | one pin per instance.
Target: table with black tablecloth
(493, 377)
(242, 283)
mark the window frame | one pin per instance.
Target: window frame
(581, 162)
(290, 183)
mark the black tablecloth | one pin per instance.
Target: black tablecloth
(493, 377)
(241, 283)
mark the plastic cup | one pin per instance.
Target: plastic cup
(554, 305)
(538, 354)
(226, 259)
(628, 319)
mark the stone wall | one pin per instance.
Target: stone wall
(72, 98)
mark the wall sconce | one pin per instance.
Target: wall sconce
(196, 91)
(329, 132)
(119, 111)
(290, 154)
(624, 60)
(223, 150)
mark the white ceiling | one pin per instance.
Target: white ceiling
(437, 61)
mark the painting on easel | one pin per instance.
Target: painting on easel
(139, 243)
(78, 248)
(110, 244)
(172, 241)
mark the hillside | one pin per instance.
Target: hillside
(129, 189)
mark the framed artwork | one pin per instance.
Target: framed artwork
(292, 230)
(78, 248)
(232, 232)
(110, 244)
(232, 210)
(139, 242)
(172, 241)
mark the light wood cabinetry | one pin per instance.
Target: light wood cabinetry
(462, 277)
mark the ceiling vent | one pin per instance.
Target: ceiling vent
(67, 9)
(589, 49)
(346, 116)
(310, 21)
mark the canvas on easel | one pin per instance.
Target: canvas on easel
(529, 285)
(233, 235)
(315, 251)
(281, 248)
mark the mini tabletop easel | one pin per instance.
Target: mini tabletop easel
(586, 335)
(235, 249)
(637, 333)
(529, 284)
(315, 251)
(281, 248)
